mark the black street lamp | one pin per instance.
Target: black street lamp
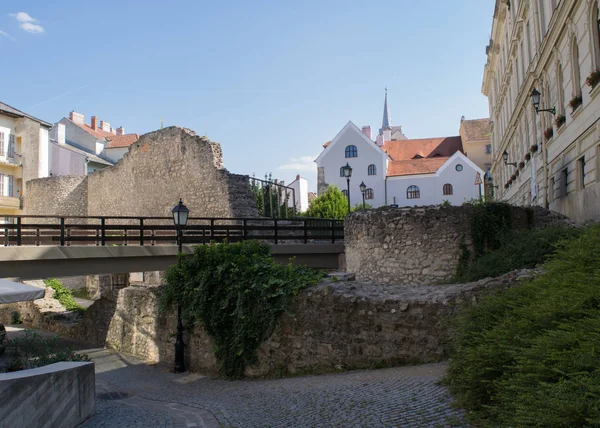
(491, 186)
(506, 162)
(180, 217)
(535, 98)
(363, 189)
(348, 173)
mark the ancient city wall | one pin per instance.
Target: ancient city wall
(160, 168)
(418, 245)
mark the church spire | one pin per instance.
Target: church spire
(385, 124)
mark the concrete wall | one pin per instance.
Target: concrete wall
(61, 394)
(66, 162)
(162, 167)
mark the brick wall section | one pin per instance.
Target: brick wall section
(63, 195)
(411, 246)
(149, 180)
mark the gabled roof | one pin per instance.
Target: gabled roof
(425, 147)
(92, 157)
(11, 111)
(349, 126)
(475, 130)
(415, 166)
(101, 134)
(119, 141)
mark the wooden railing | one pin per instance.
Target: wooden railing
(100, 231)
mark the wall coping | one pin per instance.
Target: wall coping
(51, 368)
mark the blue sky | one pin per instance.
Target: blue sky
(270, 81)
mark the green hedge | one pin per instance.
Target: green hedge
(530, 356)
(237, 293)
(64, 296)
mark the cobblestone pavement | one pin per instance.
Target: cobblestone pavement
(132, 394)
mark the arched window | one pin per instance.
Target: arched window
(595, 33)
(575, 68)
(560, 99)
(448, 189)
(345, 193)
(372, 170)
(413, 192)
(341, 171)
(351, 152)
(369, 194)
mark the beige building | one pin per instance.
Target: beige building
(552, 157)
(23, 157)
(477, 145)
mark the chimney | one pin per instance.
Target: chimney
(120, 130)
(379, 140)
(298, 177)
(367, 131)
(105, 126)
(60, 133)
(94, 123)
(76, 117)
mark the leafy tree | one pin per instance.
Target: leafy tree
(331, 204)
(361, 207)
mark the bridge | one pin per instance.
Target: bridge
(45, 246)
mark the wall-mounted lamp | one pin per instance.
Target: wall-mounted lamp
(506, 162)
(535, 97)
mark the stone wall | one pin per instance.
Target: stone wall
(62, 195)
(335, 325)
(418, 245)
(160, 168)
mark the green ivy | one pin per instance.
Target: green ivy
(64, 296)
(237, 293)
(490, 222)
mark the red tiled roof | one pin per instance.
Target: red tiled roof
(425, 147)
(326, 144)
(475, 130)
(122, 140)
(98, 133)
(415, 166)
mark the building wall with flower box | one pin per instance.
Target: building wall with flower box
(553, 46)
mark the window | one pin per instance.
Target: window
(595, 33)
(1, 143)
(559, 88)
(119, 280)
(417, 157)
(488, 148)
(565, 181)
(351, 152)
(372, 170)
(11, 185)
(341, 171)
(11, 146)
(369, 194)
(575, 68)
(2, 185)
(551, 190)
(459, 167)
(581, 167)
(345, 193)
(448, 189)
(413, 192)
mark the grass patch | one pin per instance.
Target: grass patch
(530, 355)
(64, 296)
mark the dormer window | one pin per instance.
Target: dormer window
(436, 155)
(418, 156)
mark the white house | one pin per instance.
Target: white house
(396, 170)
(300, 194)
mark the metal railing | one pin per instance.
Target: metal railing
(273, 199)
(101, 230)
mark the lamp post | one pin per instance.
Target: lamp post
(348, 174)
(506, 162)
(535, 98)
(491, 186)
(180, 217)
(363, 189)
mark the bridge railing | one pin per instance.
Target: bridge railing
(101, 231)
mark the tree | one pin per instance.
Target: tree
(331, 204)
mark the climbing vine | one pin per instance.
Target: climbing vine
(490, 222)
(237, 293)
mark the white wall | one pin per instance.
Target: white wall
(66, 162)
(300, 187)
(114, 154)
(333, 158)
(44, 148)
(431, 185)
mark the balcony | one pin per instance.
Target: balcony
(10, 202)
(7, 161)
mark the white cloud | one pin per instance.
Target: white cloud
(304, 163)
(8, 36)
(28, 22)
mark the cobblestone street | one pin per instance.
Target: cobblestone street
(131, 394)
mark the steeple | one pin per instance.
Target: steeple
(385, 124)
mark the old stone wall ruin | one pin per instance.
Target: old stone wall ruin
(418, 245)
(160, 168)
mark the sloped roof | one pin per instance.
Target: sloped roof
(117, 141)
(91, 156)
(415, 166)
(425, 147)
(104, 135)
(11, 111)
(475, 130)
(327, 144)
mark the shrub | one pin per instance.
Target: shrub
(331, 204)
(64, 296)
(237, 293)
(34, 350)
(530, 356)
(16, 318)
